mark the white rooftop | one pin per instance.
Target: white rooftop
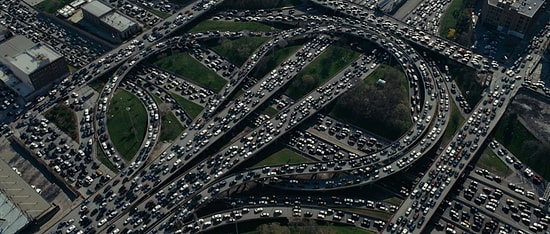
(27, 56)
(118, 21)
(97, 8)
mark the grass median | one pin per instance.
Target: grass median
(490, 161)
(170, 127)
(188, 67)
(222, 25)
(191, 108)
(127, 123)
(455, 121)
(273, 59)
(382, 110)
(284, 156)
(324, 67)
(516, 138)
(65, 119)
(238, 50)
(103, 159)
(51, 6)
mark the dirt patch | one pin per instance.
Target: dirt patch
(534, 114)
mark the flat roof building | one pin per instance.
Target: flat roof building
(35, 64)
(119, 26)
(20, 204)
(512, 16)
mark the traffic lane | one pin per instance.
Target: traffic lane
(360, 12)
(199, 171)
(121, 183)
(250, 213)
(505, 189)
(447, 188)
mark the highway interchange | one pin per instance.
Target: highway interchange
(162, 193)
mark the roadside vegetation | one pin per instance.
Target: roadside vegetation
(273, 59)
(97, 85)
(65, 119)
(516, 138)
(170, 127)
(51, 6)
(126, 123)
(305, 226)
(258, 4)
(467, 81)
(237, 51)
(270, 111)
(371, 213)
(103, 159)
(456, 22)
(159, 13)
(191, 108)
(223, 25)
(381, 110)
(185, 65)
(490, 161)
(324, 67)
(284, 156)
(455, 121)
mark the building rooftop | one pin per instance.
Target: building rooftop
(525, 7)
(118, 21)
(19, 192)
(19, 202)
(27, 56)
(12, 219)
(15, 84)
(97, 8)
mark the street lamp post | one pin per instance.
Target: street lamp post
(235, 219)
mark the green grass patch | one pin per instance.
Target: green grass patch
(258, 4)
(394, 201)
(455, 121)
(127, 123)
(456, 22)
(97, 85)
(191, 108)
(185, 65)
(170, 127)
(467, 81)
(51, 6)
(274, 58)
(72, 69)
(490, 161)
(180, 1)
(65, 119)
(371, 213)
(103, 159)
(324, 67)
(516, 138)
(270, 111)
(222, 25)
(340, 229)
(159, 13)
(238, 50)
(381, 110)
(304, 226)
(284, 156)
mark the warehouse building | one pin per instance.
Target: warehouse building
(34, 64)
(119, 26)
(510, 16)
